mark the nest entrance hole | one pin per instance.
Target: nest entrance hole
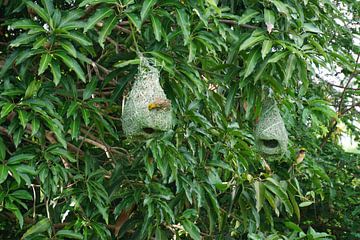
(270, 143)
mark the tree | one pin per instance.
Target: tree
(68, 171)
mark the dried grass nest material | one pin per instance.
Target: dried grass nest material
(271, 137)
(140, 115)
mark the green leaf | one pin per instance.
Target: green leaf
(75, 128)
(68, 234)
(269, 18)
(251, 41)
(259, 194)
(22, 194)
(69, 48)
(247, 16)
(35, 126)
(17, 136)
(251, 62)
(135, 20)
(15, 210)
(275, 187)
(290, 67)
(32, 89)
(3, 173)
(23, 39)
(266, 47)
(156, 24)
(97, 17)
(147, 5)
(277, 56)
(39, 11)
(72, 109)
(44, 63)
(230, 99)
(2, 150)
(23, 117)
(18, 158)
(25, 24)
(309, 27)
(85, 115)
(108, 26)
(40, 227)
(90, 88)
(121, 64)
(49, 6)
(72, 64)
(9, 62)
(79, 38)
(184, 23)
(55, 69)
(6, 109)
(191, 228)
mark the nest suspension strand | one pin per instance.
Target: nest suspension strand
(147, 110)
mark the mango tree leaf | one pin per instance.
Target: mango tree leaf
(72, 64)
(259, 194)
(40, 227)
(44, 63)
(69, 48)
(247, 16)
(97, 17)
(39, 11)
(15, 210)
(184, 23)
(290, 67)
(269, 18)
(266, 47)
(251, 62)
(147, 5)
(251, 41)
(25, 24)
(191, 228)
(18, 158)
(3, 173)
(68, 234)
(55, 69)
(6, 109)
(275, 187)
(108, 26)
(156, 24)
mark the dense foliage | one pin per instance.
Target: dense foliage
(68, 172)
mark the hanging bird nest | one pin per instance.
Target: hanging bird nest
(271, 137)
(147, 110)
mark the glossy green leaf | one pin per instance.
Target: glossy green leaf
(18, 158)
(6, 109)
(23, 117)
(69, 48)
(97, 17)
(39, 10)
(69, 234)
(259, 194)
(56, 72)
(248, 15)
(44, 63)
(252, 61)
(156, 24)
(109, 25)
(251, 41)
(290, 67)
(3, 173)
(191, 228)
(266, 48)
(72, 64)
(184, 23)
(146, 8)
(40, 227)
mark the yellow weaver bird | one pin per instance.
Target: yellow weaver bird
(300, 156)
(159, 104)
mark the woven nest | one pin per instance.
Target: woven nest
(271, 137)
(147, 110)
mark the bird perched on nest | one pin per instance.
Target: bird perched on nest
(159, 104)
(300, 156)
